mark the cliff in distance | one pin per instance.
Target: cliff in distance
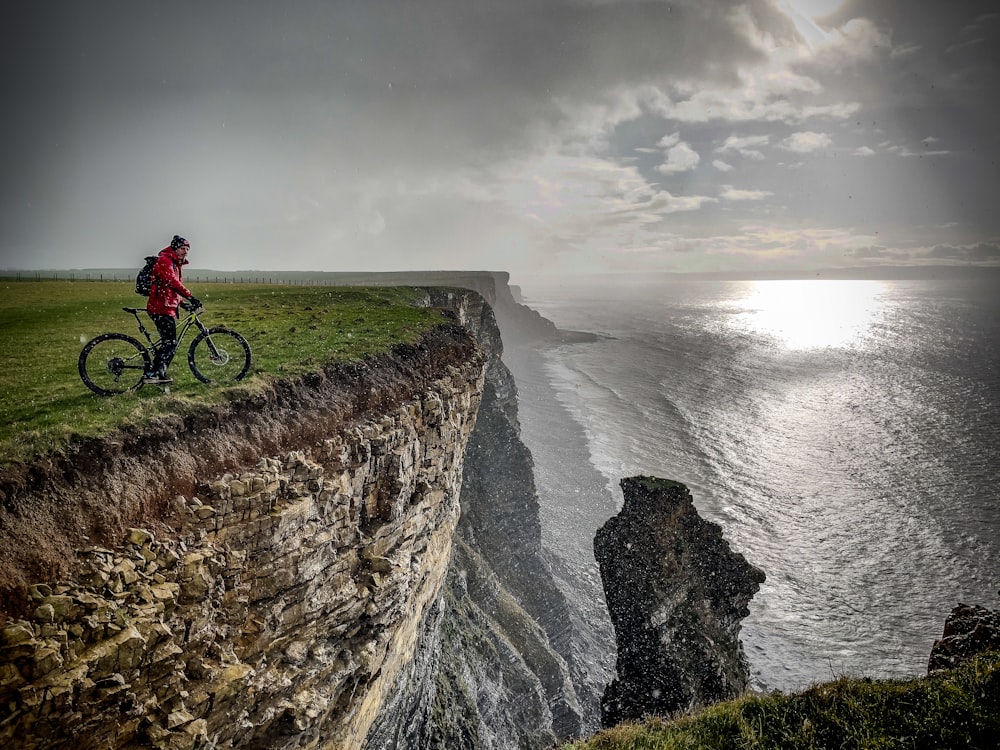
(504, 670)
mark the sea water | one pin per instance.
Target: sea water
(843, 433)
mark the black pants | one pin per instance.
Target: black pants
(167, 326)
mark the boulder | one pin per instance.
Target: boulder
(968, 631)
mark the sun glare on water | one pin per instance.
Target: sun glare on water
(809, 314)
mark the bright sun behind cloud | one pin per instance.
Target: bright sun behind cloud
(814, 8)
(803, 14)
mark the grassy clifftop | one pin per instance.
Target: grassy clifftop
(291, 329)
(947, 709)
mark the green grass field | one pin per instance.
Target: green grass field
(291, 330)
(958, 708)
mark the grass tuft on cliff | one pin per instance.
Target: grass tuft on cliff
(292, 330)
(949, 709)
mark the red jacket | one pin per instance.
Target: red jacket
(167, 289)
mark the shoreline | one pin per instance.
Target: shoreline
(573, 497)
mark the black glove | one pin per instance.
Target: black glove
(194, 303)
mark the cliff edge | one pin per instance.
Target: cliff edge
(498, 667)
(272, 605)
(290, 568)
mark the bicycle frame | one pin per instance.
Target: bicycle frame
(186, 323)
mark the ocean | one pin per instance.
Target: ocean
(844, 434)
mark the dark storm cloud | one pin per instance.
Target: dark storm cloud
(463, 134)
(480, 60)
(124, 109)
(943, 73)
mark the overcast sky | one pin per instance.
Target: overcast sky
(520, 135)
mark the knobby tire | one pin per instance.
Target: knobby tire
(229, 363)
(113, 363)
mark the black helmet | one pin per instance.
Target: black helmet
(179, 241)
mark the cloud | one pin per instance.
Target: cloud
(722, 166)
(904, 151)
(963, 45)
(679, 157)
(729, 193)
(783, 244)
(582, 204)
(870, 252)
(748, 104)
(863, 151)
(746, 145)
(856, 42)
(904, 51)
(806, 141)
(980, 252)
(780, 88)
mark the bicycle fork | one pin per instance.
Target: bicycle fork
(212, 349)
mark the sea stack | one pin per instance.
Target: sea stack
(677, 594)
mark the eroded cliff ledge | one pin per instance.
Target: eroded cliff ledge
(677, 594)
(272, 605)
(93, 491)
(290, 569)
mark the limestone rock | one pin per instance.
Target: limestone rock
(264, 623)
(273, 609)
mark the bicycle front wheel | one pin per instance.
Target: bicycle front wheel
(113, 363)
(219, 355)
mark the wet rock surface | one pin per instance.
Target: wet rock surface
(677, 594)
(968, 632)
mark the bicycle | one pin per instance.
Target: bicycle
(115, 363)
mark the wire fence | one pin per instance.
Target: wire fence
(188, 278)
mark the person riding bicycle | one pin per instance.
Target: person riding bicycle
(165, 295)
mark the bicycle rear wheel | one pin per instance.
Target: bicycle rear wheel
(219, 355)
(113, 363)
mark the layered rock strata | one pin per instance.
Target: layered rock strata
(485, 660)
(677, 594)
(275, 610)
(96, 489)
(498, 669)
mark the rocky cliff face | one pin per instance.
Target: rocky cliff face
(677, 594)
(292, 570)
(276, 608)
(95, 490)
(498, 669)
